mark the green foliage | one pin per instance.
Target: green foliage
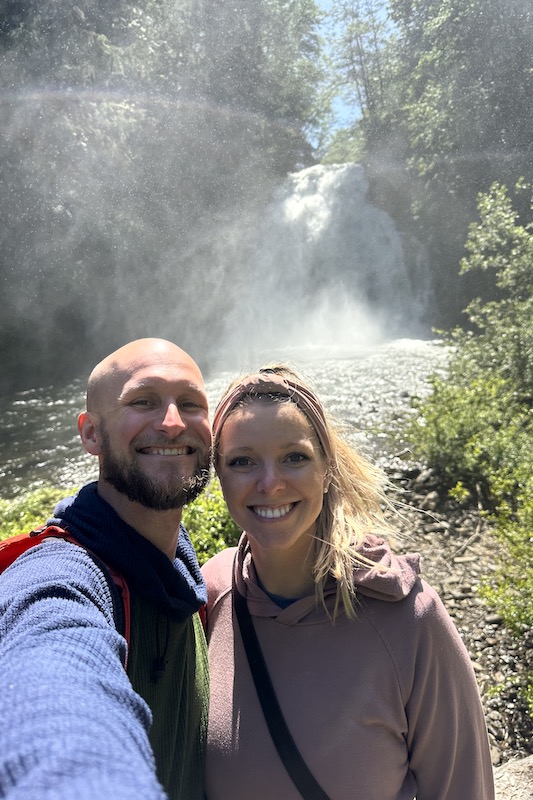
(360, 49)
(207, 519)
(443, 93)
(28, 510)
(460, 494)
(360, 41)
(345, 146)
(457, 100)
(470, 429)
(503, 246)
(511, 590)
(209, 523)
(476, 428)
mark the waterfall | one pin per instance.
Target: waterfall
(325, 268)
(309, 264)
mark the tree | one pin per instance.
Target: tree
(469, 95)
(499, 243)
(136, 140)
(457, 117)
(477, 425)
(359, 53)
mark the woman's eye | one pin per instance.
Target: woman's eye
(297, 458)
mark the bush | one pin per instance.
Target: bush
(476, 428)
(466, 427)
(477, 435)
(207, 519)
(209, 524)
(28, 510)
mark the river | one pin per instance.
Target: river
(368, 388)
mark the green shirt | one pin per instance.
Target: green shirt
(178, 697)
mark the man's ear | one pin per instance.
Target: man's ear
(88, 433)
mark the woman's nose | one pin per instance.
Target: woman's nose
(270, 480)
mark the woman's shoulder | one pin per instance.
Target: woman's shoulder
(217, 573)
(419, 620)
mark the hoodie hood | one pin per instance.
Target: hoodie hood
(391, 579)
(393, 576)
(177, 587)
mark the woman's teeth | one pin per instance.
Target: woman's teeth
(268, 512)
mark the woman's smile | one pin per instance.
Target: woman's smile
(273, 512)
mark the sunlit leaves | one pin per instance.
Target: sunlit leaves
(500, 244)
(476, 429)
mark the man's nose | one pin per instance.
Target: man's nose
(171, 421)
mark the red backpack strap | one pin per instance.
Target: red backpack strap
(202, 613)
(15, 546)
(124, 591)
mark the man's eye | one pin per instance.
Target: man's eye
(141, 401)
(239, 461)
(190, 404)
(193, 404)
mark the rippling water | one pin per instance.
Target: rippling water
(368, 388)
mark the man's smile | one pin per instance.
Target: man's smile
(185, 450)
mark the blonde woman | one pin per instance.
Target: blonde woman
(376, 694)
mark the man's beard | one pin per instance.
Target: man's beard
(157, 494)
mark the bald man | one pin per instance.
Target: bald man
(74, 723)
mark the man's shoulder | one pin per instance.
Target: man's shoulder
(55, 562)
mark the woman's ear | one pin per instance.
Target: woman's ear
(88, 433)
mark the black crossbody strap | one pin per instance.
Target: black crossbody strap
(281, 736)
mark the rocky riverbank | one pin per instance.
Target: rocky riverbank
(458, 551)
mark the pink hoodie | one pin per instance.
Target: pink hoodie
(383, 707)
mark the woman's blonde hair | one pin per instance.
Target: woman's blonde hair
(355, 499)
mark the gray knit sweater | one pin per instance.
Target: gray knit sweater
(73, 723)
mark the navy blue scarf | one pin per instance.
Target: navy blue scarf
(177, 587)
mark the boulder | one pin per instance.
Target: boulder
(514, 779)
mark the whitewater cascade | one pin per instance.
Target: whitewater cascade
(326, 268)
